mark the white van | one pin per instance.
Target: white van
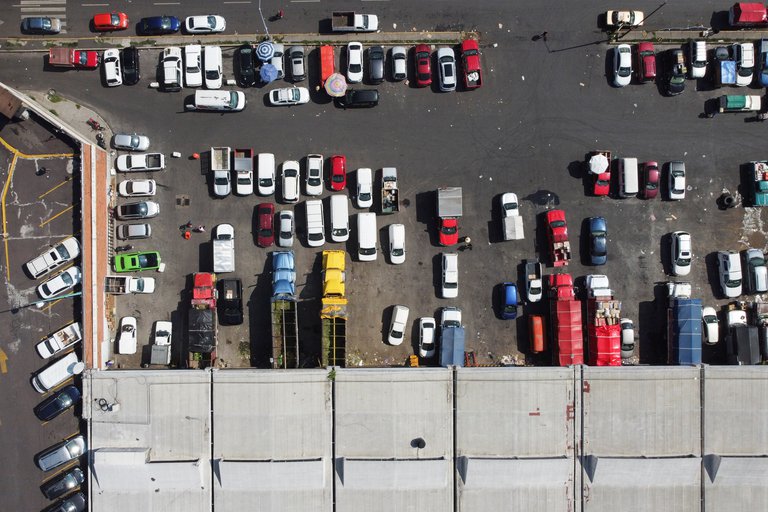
(339, 218)
(212, 67)
(218, 101)
(315, 224)
(57, 372)
(628, 177)
(266, 174)
(367, 233)
(697, 56)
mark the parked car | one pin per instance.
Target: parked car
(450, 281)
(265, 213)
(291, 181)
(296, 58)
(729, 267)
(289, 96)
(63, 483)
(598, 241)
(398, 324)
(40, 25)
(376, 64)
(446, 62)
(109, 21)
(231, 301)
(622, 65)
(61, 453)
(354, 62)
(763, 63)
(624, 18)
(158, 25)
(602, 186)
(244, 66)
(172, 70)
(697, 58)
(422, 56)
(675, 72)
(646, 62)
(650, 179)
(397, 244)
(60, 283)
(757, 273)
(364, 195)
(509, 301)
(137, 261)
(359, 98)
(277, 59)
(127, 336)
(711, 325)
(426, 336)
(681, 253)
(141, 210)
(314, 184)
(470, 59)
(745, 63)
(398, 59)
(133, 231)
(266, 174)
(676, 180)
(57, 403)
(338, 172)
(627, 338)
(137, 188)
(285, 229)
(222, 184)
(53, 258)
(72, 503)
(163, 331)
(207, 24)
(130, 142)
(244, 183)
(140, 162)
(193, 69)
(113, 73)
(129, 58)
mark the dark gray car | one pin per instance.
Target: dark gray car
(63, 483)
(296, 58)
(376, 64)
(74, 503)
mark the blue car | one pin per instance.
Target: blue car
(509, 301)
(159, 25)
(41, 25)
(764, 63)
(598, 241)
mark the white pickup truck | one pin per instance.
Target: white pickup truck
(120, 285)
(348, 21)
(224, 248)
(141, 162)
(61, 253)
(61, 340)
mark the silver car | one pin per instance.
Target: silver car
(446, 62)
(61, 453)
(285, 229)
(277, 59)
(399, 61)
(298, 70)
(130, 141)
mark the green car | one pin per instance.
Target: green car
(135, 261)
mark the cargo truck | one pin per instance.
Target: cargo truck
(224, 248)
(333, 313)
(604, 331)
(243, 164)
(742, 340)
(747, 14)
(683, 325)
(739, 103)
(759, 183)
(760, 310)
(449, 211)
(71, 58)
(511, 221)
(348, 21)
(389, 197)
(557, 236)
(452, 345)
(202, 327)
(285, 323)
(565, 321)
(120, 285)
(221, 167)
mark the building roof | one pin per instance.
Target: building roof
(738, 484)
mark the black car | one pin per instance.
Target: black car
(57, 403)
(359, 98)
(676, 72)
(246, 71)
(73, 503)
(376, 64)
(41, 25)
(231, 301)
(63, 483)
(159, 25)
(130, 61)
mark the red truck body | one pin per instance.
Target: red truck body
(68, 57)
(470, 58)
(747, 14)
(565, 319)
(604, 331)
(557, 235)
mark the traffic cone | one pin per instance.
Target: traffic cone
(187, 235)
(195, 156)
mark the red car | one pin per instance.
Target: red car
(603, 183)
(423, 56)
(449, 231)
(470, 57)
(650, 179)
(646, 62)
(338, 172)
(108, 21)
(265, 214)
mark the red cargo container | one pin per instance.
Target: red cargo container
(743, 14)
(604, 331)
(565, 319)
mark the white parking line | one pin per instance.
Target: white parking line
(246, 2)
(93, 5)
(305, 1)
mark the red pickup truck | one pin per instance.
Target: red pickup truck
(470, 57)
(67, 57)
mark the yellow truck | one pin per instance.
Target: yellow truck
(333, 314)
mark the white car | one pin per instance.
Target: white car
(137, 188)
(676, 180)
(173, 75)
(53, 258)
(212, 67)
(729, 266)
(397, 244)
(141, 285)
(277, 59)
(711, 325)
(446, 63)
(364, 194)
(451, 317)
(624, 18)
(354, 63)
(757, 273)
(622, 65)
(398, 324)
(289, 96)
(314, 184)
(399, 59)
(426, 336)
(127, 336)
(130, 142)
(243, 183)
(290, 181)
(60, 283)
(222, 183)
(285, 228)
(681, 253)
(140, 162)
(265, 174)
(61, 453)
(163, 333)
(207, 24)
(509, 204)
(193, 72)
(745, 63)
(450, 283)
(112, 70)
(627, 338)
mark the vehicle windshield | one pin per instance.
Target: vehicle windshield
(682, 261)
(534, 290)
(115, 19)
(398, 251)
(221, 181)
(510, 206)
(355, 68)
(449, 230)
(314, 181)
(368, 251)
(396, 334)
(211, 22)
(733, 283)
(63, 252)
(558, 224)
(315, 237)
(338, 178)
(265, 232)
(710, 319)
(510, 308)
(265, 182)
(449, 284)
(212, 74)
(82, 58)
(651, 185)
(244, 181)
(365, 196)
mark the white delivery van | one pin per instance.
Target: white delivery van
(366, 236)
(265, 174)
(218, 101)
(212, 67)
(57, 372)
(339, 218)
(628, 177)
(315, 224)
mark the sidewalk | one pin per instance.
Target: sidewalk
(663, 37)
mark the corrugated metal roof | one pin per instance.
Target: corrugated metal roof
(642, 411)
(515, 412)
(736, 410)
(740, 485)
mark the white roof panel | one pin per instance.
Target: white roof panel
(737, 484)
